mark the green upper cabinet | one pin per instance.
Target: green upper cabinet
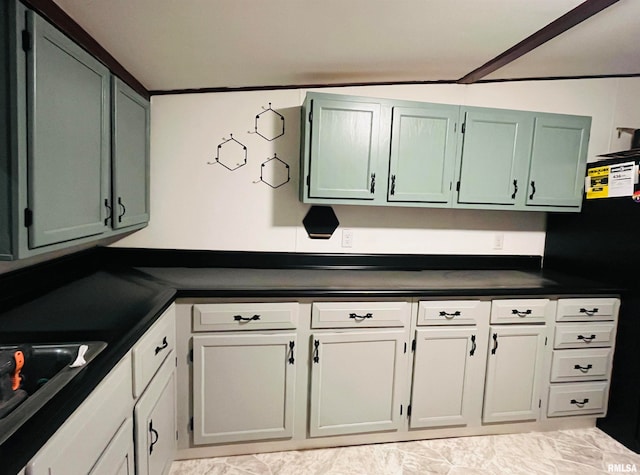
(68, 137)
(130, 151)
(423, 153)
(360, 150)
(495, 149)
(343, 149)
(558, 160)
(60, 184)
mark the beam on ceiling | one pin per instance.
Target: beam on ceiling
(570, 19)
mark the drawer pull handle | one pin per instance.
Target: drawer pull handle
(495, 344)
(355, 316)
(521, 314)
(580, 403)
(589, 313)
(586, 339)
(164, 345)
(473, 345)
(240, 318)
(153, 433)
(584, 369)
(449, 316)
(316, 351)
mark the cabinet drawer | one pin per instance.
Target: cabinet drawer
(452, 312)
(245, 316)
(587, 309)
(152, 349)
(580, 365)
(359, 314)
(578, 398)
(584, 335)
(520, 310)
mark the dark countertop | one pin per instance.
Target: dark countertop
(230, 282)
(118, 306)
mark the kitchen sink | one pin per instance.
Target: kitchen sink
(47, 368)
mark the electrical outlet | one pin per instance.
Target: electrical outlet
(347, 238)
(498, 241)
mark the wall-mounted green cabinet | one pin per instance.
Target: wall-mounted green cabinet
(439, 155)
(63, 123)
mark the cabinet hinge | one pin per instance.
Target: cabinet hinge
(308, 180)
(409, 410)
(405, 350)
(458, 186)
(464, 127)
(176, 435)
(455, 126)
(176, 361)
(191, 355)
(310, 116)
(26, 40)
(413, 345)
(28, 217)
(545, 341)
(539, 403)
(191, 424)
(400, 409)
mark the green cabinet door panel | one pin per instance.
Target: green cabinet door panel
(558, 160)
(344, 149)
(495, 151)
(130, 151)
(423, 149)
(68, 143)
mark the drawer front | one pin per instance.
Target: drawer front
(584, 335)
(578, 398)
(581, 365)
(359, 314)
(245, 316)
(452, 312)
(520, 310)
(587, 309)
(152, 349)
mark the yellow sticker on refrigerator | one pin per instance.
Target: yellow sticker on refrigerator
(598, 182)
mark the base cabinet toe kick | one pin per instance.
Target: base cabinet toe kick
(259, 375)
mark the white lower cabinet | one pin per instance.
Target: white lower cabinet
(155, 423)
(243, 386)
(91, 431)
(118, 458)
(514, 365)
(448, 377)
(356, 378)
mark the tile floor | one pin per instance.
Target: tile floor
(583, 452)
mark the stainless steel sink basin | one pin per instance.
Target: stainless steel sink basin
(47, 369)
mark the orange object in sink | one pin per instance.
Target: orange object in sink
(16, 379)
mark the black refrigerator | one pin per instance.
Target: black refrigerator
(603, 242)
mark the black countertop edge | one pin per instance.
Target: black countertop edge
(16, 451)
(133, 257)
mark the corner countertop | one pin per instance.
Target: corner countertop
(118, 306)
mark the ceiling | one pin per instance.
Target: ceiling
(171, 45)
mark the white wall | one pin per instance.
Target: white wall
(197, 205)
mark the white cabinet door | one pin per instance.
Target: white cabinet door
(448, 377)
(355, 382)
(243, 387)
(118, 458)
(514, 361)
(155, 422)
